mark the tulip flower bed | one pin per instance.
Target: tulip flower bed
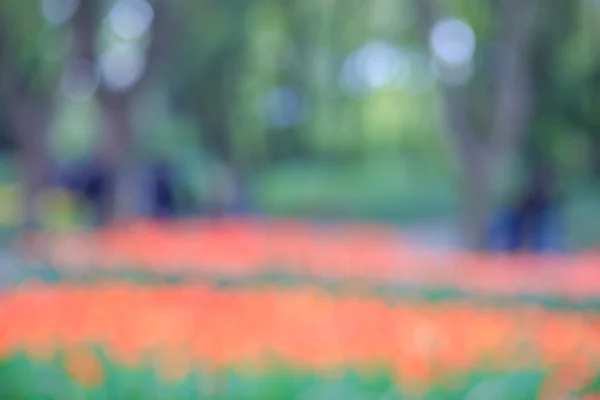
(243, 249)
(209, 312)
(125, 341)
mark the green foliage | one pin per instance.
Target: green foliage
(23, 379)
(26, 379)
(76, 131)
(33, 51)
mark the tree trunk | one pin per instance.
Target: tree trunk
(476, 167)
(28, 112)
(30, 123)
(118, 157)
(478, 199)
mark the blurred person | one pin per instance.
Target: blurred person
(162, 192)
(533, 222)
(92, 182)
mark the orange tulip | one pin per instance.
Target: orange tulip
(84, 367)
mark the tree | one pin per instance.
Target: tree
(117, 100)
(482, 150)
(28, 82)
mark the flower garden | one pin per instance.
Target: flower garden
(241, 309)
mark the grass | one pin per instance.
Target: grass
(377, 190)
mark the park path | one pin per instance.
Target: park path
(439, 234)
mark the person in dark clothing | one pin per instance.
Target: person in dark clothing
(162, 192)
(93, 183)
(533, 223)
(531, 215)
